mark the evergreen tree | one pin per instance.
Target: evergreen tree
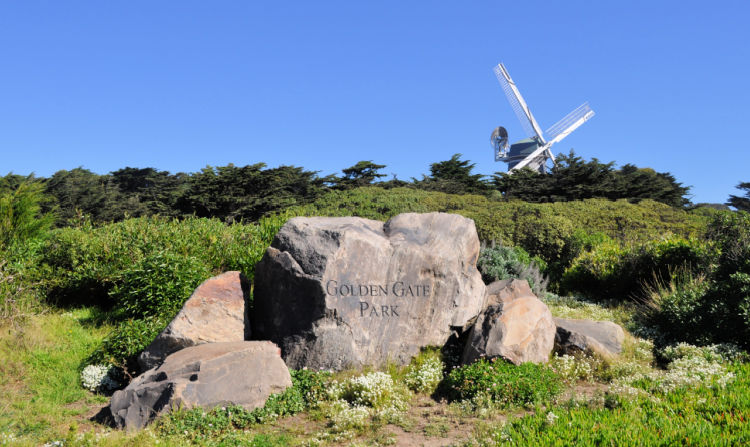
(741, 203)
(82, 191)
(234, 193)
(363, 173)
(576, 179)
(454, 176)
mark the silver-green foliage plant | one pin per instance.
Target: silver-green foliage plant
(498, 262)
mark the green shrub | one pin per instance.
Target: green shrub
(497, 262)
(122, 346)
(611, 271)
(712, 306)
(676, 310)
(23, 229)
(21, 218)
(86, 262)
(157, 285)
(503, 383)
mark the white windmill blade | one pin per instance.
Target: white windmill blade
(530, 126)
(571, 122)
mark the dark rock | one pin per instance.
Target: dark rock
(208, 375)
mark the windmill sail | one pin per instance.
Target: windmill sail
(519, 106)
(572, 120)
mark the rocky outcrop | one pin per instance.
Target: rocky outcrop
(239, 373)
(215, 312)
(603, 338)
(340, 292)
(514, 325)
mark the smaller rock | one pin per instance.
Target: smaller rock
(506, 291)
(603, 338)
(514, 325)
(215, 312)
(209, 375)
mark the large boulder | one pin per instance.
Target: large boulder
(347, 291)
(514, 325)
(603, 338)
(215, 312)
(239, 373)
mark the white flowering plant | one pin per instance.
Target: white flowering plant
(99, 378)
(425, 373)
(352, 403)
(689, 367)
(571, 369)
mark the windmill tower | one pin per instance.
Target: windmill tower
(534, 151)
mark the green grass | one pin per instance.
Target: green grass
(701, 416)
(39, 374)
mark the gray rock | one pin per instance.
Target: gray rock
(215, 312)
(514, 325)
(341, 292)
(209, 375)
(603, 338)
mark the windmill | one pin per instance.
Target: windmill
(533, 151)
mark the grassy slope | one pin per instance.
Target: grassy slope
(43, 401)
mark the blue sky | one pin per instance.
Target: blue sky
(181, 85)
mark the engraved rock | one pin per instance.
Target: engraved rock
(340, 292)
(514, 325)
(215, 312)
(209, 375)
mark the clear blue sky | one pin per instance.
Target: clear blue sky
(184, 84)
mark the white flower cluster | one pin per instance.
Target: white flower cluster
(572, 369)
(425, 378)
(353, 402)
(370, 390)
(644, 349)
(97, 378)
(693, 370)
(551, 418)
(724, 352)
(7, 438)
(690, 366)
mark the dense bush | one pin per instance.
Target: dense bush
(612, 271)
(712, 306)
(86, 262)
(144, 269)
(157, 285)
(121, 347)
(23, 228)
(497, 262)
(503, 382)
(21, 219)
